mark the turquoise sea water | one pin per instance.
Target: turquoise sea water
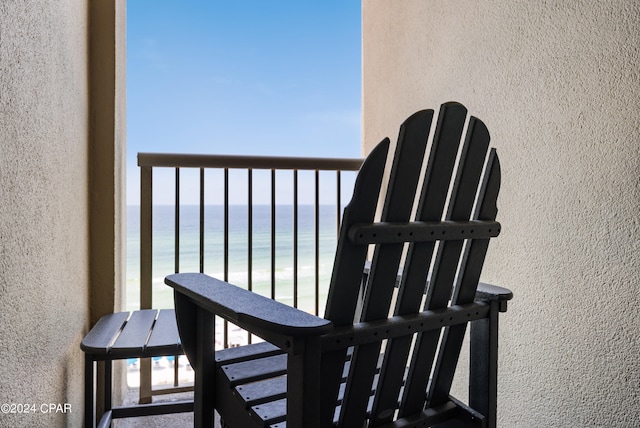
(237, 272)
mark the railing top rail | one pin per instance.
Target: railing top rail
(174, 160)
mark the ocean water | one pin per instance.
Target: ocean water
(238, 260)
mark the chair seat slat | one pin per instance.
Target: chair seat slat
(245, 353)
(268, 384)
(103, 334)
(253, 370)
(135, 334)
(165, 332)
(274, 411)
(259, 392)
(271, 412)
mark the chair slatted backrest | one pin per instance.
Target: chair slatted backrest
(451, 188)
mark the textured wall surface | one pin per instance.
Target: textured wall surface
(43, 207)
(107, 154)
(558, 85)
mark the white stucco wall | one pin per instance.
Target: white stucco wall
(558, 85)
(44, 269)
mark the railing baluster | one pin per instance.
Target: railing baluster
(249, 235)
(295, 238)
(226, 224)
(317, 242)
(226, 247)
(273, 233)
(146, 267)
(338, 202)
(201, 220)
(176, 250)
(177, 223)
(146, 236)
(250, 230)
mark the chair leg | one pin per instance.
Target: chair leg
(483, 382)
(204, 395)
(304, 386)
(108, 385)
(89, 399)
(197, 328)
(145, 381)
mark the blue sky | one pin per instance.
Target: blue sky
(243, 77)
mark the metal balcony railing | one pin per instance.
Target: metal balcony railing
(232, 195)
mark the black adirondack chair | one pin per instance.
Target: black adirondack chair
(386, 352)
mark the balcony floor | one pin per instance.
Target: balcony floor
(175, 420)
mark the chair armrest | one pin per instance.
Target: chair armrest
(494, 293)
(253, 312)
